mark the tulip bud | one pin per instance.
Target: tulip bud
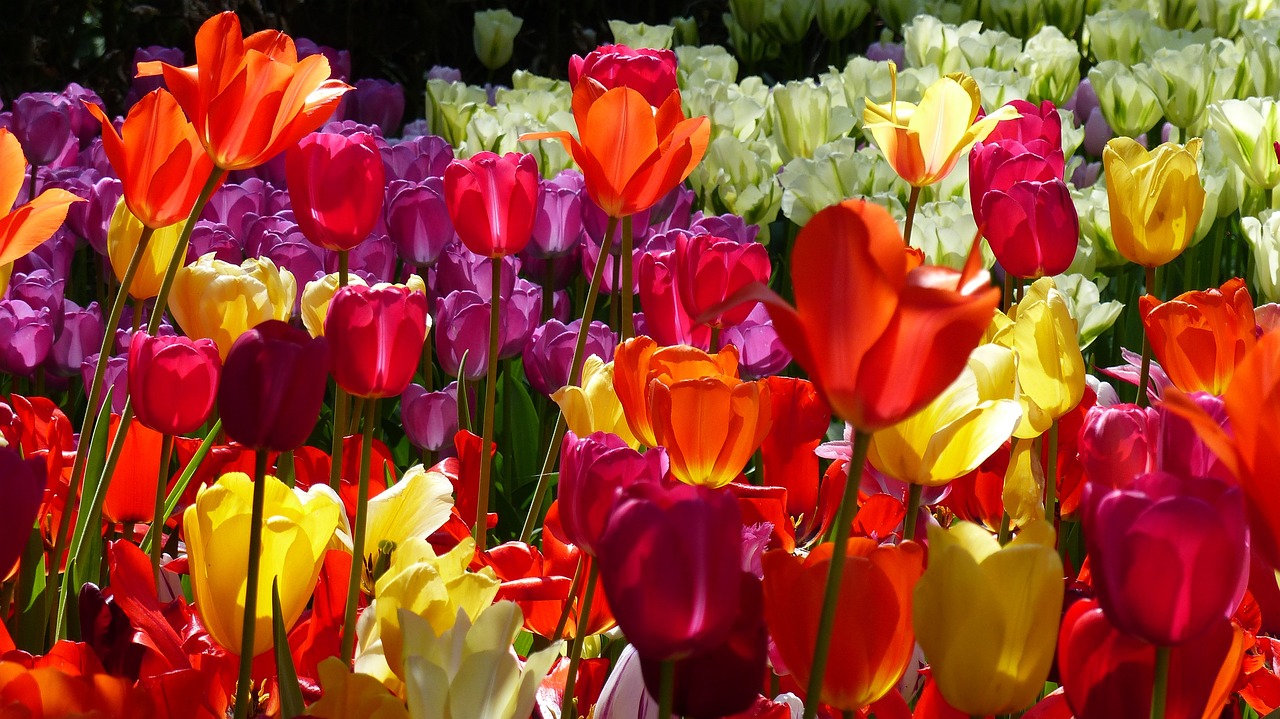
(493, 201)
(1115, 35)
(29, 336)
(126, 232)
(548, 354)
(494, 36)
(1263, 236)
(1052, 61)
(838, 18)
(336, 187)
(1051, 382)
(273, 383)
(1248, 131)
(42, 124)
(1118, 444)
(1156, 198)
(710, 270)
(641, 35)
(378, 334)
(804, 116)
(1127, 102)
(430, 419)
(418, 220)
(173, 381)
(651, 72)
(1183, 81)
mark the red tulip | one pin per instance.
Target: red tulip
(493, 201)
(671, 565)
(650, 72)
(131, 493)
(377, 335)
(594, 472)
(272, 386)
(1169, 554)
(1118, 443)
(800, 422)
(336, 187)
(709, 270)
(23, 482)
(667, 318)
(1032, 227)
(173, 381)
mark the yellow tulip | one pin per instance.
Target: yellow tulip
(1155, 198)
(1024, 485)
(349, 695)
(122, 238)
(959, 429)
(594, 407)
(220, 301)
(412, 508)
(436, 588)
(987, 617)
(923, 142)
(318, 293)
(298, 527)
(470, 669)
(1051, 368)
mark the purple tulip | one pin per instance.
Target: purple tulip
(81, 336)
(217, 238)
(376, 102)
(881, 51)
(54, 255)
(140, 86)
(277, 238)
(92, 219)
(760, 351)
(594, 471)
(116, 379)
(557, 226)
(462, 330)
(374, 259)
(84, 126)
(430, 418)
(272, 386)
(521, 314)
(444, 72)
(458, 268)
(730, 227)
(28, 335)
(42, 124)
(555, 273)
(549, 352)
(1082, 102)
(40, 290)
(418, 220)
(417, 159)
(236, 205)
(339, 60)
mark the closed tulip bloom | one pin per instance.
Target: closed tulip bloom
(418, 220)
(710, 425)
(23, 482)
(670, 562)
(173, 381)
(131, 491)
(249, 98)
(29, 337)
(297, 528)
(650, 72)
(492, 201)
(923, 142)
(122, 240)
(430, 419)
(377, 102)
(1155, 198)
(1037, 229)
(335, 187)
(871, 642)
(1200, 336)
(987, 616)
(709, 270)
(666, 316)
(272, 386)
(1169, 554)
(593, 405)
(1033, 124)
(316, 298)
(549, 353)
(558, 227)
(1118, 443)
(378, 333)
(221, 301)
(996, 166)
(158, 158)
(594, 472)
(959, 429)
(640, 358)
(25, 227)
(1051, 381)
(42, 121)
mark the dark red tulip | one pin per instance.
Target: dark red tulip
(594, 471)
(377, 335)
(710, 270)
(23, 482)
(1169, 554)
(173, 381)
(671, 565)
(336, 187)
(272, 386)
(493, 201)
(650, 72)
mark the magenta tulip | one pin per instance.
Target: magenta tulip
(1169, 554)
(1034, 122)
(710, 270)
(173, 381)
(493, 201)
(1118, 443)
(272, 386)
(418, 220)
(1033, 227)
(430, 419)
(336, 187)
(652, 73)
(558, 228)
(594, 471)
(667, 318)
(377, 335)
(417, 159)
(22, 481)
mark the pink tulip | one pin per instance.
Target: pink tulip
(709, 270)
(594, 471)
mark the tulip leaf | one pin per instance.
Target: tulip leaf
(464, 404)
(93, 468)
(33, 610)
(179, 487)
(524, 643)
(290, 694)
(519, 431)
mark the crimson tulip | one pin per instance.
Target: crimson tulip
(1169, 554)
(378, 333)
(650, 72)
(594, 472)
(710, 269)
(667, 318)
(272, 386)
(23, 481)
(1033, 125)
(493, 201)
(1118, 443)
(670, 561)
(336, 187)
(173, 381)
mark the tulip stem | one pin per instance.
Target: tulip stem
(245, 683)
(344, 264)
(481, 529)
(157, 518)
(666, 688)
(1144, 376)
(715, 340)
(568, 707)
(341, 403)
(1161, 685)
(575, 378)
(370, 412)
(912, 202)
(835, 575)
(913, 509)
(626, 287)
(180, 250)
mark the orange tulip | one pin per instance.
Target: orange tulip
(710, 426)
(640, 358)
(630, 154)
(879, 334)
(249, 97)
(1199, 337)
(872, 641)
(159, 159)
(25, 227)
(63, 683)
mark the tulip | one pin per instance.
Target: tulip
(804, 116)
(1248, 130)
(1051, 383)
(1118, 444)
(987, 616)
(159, 159)
(24, 483)
(412, 508)
(221, 302)
(173, 381)
(381, 330)
(58, 686)
(122, 243)
(81, 335)
(1038, 230)
(26, 226)
(318, 295)
(1169, 554)
(335, 187)
(944, 125)
(761, 351)
(667, 318)
(131, 490)
(272, 387)
(709, 270)
(640, 358)
(430, 419)
(670, 561)
(558, 228)
(710, 426)
(799, 422)
(996, 165)
(595, 471)
(1200, 336)
(245, 122)
(298, 527)
(651, 72)
(494, 35)
(42, 123)
(29, 337)
(377, 102)
(549, 353)
(1127, 103)
(1155, 198)
(352, 694)
(492, 201)
(42, 292)
(418, 220)
(92, 219)
(593, 405)
(417, 159)
(872, 640)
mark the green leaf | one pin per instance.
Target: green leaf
(524, 643)
(520, 432)
(290, 694)
(464, 406)
(93, 469)
(33, 610)
(175, 494)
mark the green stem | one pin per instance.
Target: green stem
(1161, 686)
(627, 329)
(715, 340)
(913, 510)
(1006, 532)
(835, 575)
(666, 688)
(1144, 376)
(245, 683)
(575, 378)
(912, 202)
(568, 602)
(179, 256)
(569, 709)
(370, 411)
(157, 517)
(481, 529)
(341, 402)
